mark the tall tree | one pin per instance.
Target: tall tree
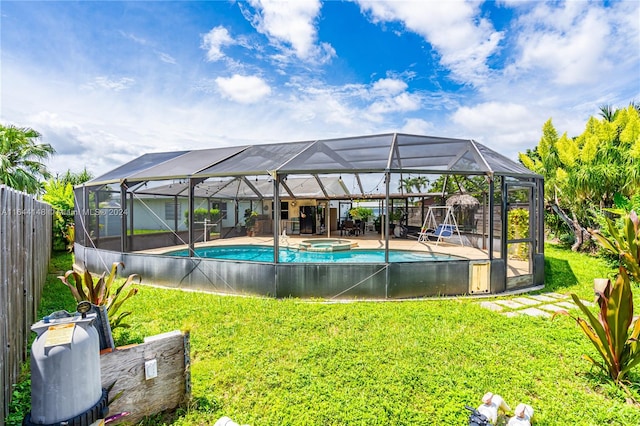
(21, 158)
(583, 174)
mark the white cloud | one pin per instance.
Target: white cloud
(489, 115)
(134, 38)
(463, 39)
(214, 41)
(389, 96)
(243, 89)
(389, 86)
(417, 126)
(506, 127)
(165, 57)
(116, 85)
(401, 103)
(569, 44)
(291, 25)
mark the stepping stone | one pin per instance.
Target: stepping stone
(535, 312)
(511, 314)
(543, 298)
(568, 305)
(510, 304)
(492, 306)
(526, 301)
(557, 295)
(553, 308)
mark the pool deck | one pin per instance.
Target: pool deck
(365, 241)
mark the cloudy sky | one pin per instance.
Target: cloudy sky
(107, 81)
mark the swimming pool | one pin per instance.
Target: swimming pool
(254, 253)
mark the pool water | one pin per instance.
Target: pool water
(265, 254)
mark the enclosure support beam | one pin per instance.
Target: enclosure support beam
(387, 183)
(97, 221)
(192, 187)
(175, 214)
(491, 213)
(130, 216)
(540, 216)
(85, 218)
(123, 217)
(505, 219)
(276, 217)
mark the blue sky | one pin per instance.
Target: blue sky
(105, 82)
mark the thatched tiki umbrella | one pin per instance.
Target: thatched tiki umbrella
(465, 207)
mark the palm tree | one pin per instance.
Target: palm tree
(420, 182)
(405, 185)
(607, 112)
(21, 158)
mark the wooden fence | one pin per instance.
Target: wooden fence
(25, 250)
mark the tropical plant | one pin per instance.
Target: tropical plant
(396, 215)
(250, 217)
(103, 291)
(70, 236)
(361, 213)
(583, 174)
(58, 192)
(610, 332)
(21, 158)
(624, 243)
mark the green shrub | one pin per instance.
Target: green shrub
(518, 220)
(200, 214)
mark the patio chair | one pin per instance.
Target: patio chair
(350, 228)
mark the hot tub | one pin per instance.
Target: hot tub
(326, 244)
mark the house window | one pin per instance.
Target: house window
(170, 210)
(222, 206)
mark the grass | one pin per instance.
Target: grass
(292, 362)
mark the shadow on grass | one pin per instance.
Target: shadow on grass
(558, 274)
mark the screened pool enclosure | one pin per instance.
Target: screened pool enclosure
(370, 217)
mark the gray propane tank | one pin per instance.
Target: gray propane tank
(65, 372)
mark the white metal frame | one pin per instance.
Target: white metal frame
(430, 220)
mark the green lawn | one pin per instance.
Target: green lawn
(293, 362)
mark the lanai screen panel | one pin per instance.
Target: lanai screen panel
(256, 160)
(349, 154)
(136, 165)
(429, 153)
(171, 189)
(470, 161)
(502, 165)
(309, 187)
(188, 164)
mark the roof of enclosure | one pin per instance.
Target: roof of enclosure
(392, 152)
(332, 187)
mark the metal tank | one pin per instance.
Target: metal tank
(65, 371)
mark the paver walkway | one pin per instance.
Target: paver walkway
(537, 305)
